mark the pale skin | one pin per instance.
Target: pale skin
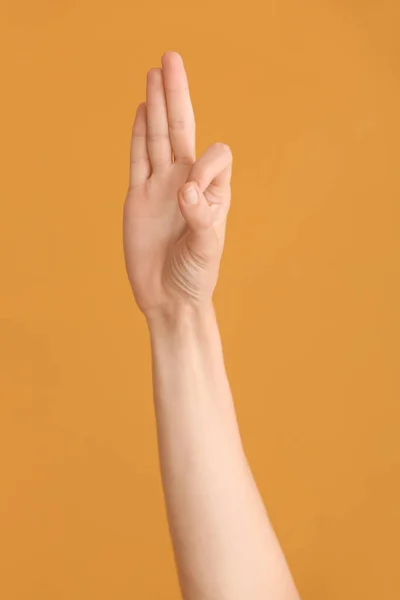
(224, 544)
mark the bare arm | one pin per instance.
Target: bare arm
(224, 544)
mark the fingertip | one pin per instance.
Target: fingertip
(170, 54)
(139, 121)
(141, 109)
(228, 150)
(153, 76)
(187, 186)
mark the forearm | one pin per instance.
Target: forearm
(224, 545)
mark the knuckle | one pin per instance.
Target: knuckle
(225, 148)
(222, 147)
(178, 125)
(228, 151)
(181, 125)
(156, 136)
(219, 146)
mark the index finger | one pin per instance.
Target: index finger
(181, 121)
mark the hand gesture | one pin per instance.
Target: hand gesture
(176, 207)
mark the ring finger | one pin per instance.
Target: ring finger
(158, 141)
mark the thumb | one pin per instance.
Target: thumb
(197, 213)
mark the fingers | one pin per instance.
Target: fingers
(181, 121)
(208, 183)
(158, 142)
(194, 207)
(213, 168)
(199, 219)
(140, 168)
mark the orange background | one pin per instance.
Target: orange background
(307, 94)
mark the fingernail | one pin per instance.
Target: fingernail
(190, 195)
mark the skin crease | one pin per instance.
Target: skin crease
(224, 545)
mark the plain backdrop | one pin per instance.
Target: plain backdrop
(307, 95)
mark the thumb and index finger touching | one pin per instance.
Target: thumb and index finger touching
(213, 168)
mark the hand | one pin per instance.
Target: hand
(173, 248)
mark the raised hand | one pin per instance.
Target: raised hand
(173, 246)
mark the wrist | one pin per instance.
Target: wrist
(186, 340)
(180, 317)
